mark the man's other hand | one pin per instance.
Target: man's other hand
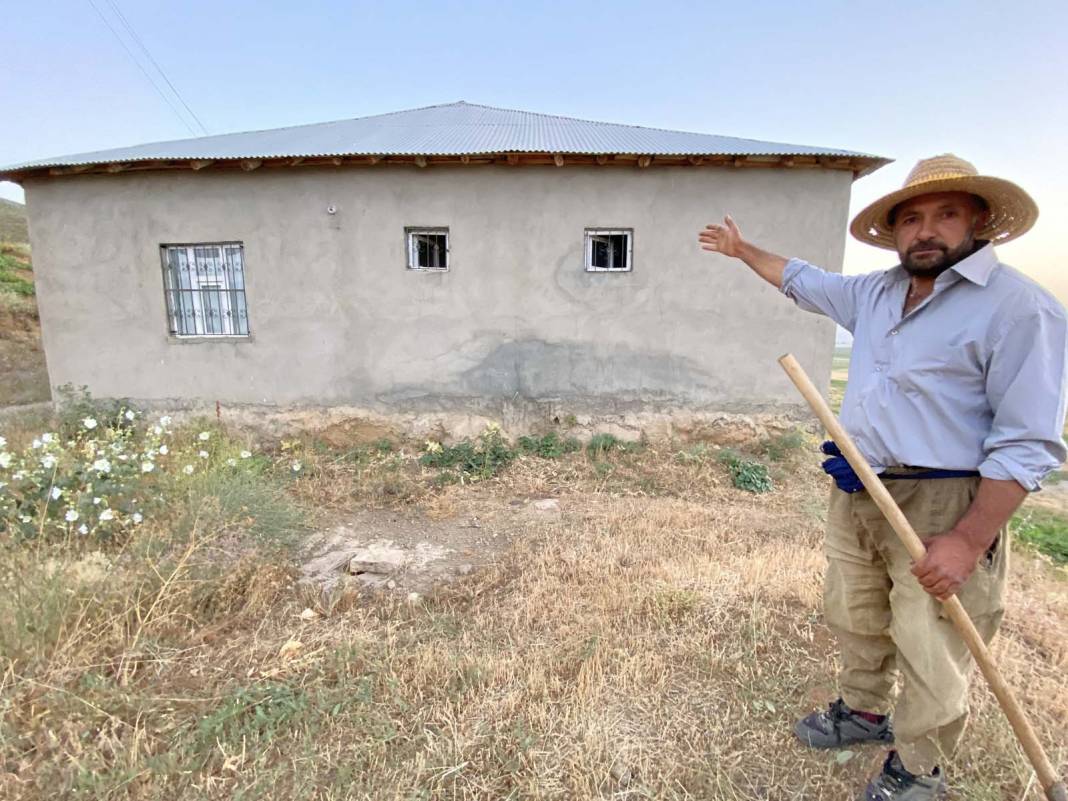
(949, 562)
(725, 239)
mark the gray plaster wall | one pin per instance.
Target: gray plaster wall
(337, 319)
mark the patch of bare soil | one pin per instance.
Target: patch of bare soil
(23, 376)
(406, 551)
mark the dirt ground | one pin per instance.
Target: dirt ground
(23, 376)
(435, 551)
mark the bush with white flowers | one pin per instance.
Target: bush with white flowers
(93, 483)
(102, 477)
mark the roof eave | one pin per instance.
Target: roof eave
(859, 164)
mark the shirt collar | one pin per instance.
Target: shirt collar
(977, 267)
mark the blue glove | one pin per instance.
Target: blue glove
(838, 468)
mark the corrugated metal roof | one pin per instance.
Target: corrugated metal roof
(453, 129)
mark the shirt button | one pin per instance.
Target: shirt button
(878, 369)
(894, 332)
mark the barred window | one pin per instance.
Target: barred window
(428, 248)
(205, 289)
(608, 250)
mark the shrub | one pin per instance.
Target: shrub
(75, 405)
(96, 481)
(111, 472)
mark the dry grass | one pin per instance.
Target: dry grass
(665, 629)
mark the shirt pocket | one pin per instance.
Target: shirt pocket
(939, 367)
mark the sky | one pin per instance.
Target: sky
(985, 80)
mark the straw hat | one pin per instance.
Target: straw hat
(1012, 211)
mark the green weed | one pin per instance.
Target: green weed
(746, 474)
(550, 446)
(1044, 531)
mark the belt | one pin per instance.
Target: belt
(839, 469)
(931, 473)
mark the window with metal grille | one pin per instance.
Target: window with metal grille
(609, 250)
(428, 248)
(205, 289)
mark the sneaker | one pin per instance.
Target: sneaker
(897, 784)
(840, 726)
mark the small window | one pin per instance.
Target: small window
(428, 248)
(204, 286)
(609, 250)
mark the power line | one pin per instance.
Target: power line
(144, 72)
(159, 69)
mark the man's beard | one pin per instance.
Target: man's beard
(932, 269)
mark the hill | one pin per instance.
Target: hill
(23, 376)
(13, 222)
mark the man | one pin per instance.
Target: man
(956, 396)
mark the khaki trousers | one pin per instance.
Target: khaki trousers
(886, 624)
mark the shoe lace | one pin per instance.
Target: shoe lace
(894, 775)
(837, 711)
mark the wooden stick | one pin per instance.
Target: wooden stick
(1025, 733)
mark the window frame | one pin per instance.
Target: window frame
(587, 249)
(411, 231)
(226, 297)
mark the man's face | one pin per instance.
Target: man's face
(934, 232)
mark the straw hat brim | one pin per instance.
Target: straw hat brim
(1012, 211)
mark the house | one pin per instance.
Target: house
(455, 257)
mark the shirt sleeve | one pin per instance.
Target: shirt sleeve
(1025, 386)
(816, 290)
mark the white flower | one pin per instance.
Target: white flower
(96, 501)
(18, 475)
(3, 442)
(5, 460)
(56, 493)
(25, 518)
(36, 444)
(203, 454)
(89, 423)
(102, 466)
(49, 461)
(164, 450)
(47, 438)
(107, 514)
(71, 516)
(296, 467)
(83, 529)
(130, 415)
(157, 430)
(231, 462)
(245, 454)
(123, 457)
(204, 436)
(165, 420)
(188, 469)
(136, 517)
(147, 467)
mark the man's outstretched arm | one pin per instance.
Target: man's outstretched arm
(813, 289)
(727, 239)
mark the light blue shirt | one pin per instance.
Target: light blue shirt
(971, 379)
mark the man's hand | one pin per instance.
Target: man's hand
(950, 561)
(725, 239)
